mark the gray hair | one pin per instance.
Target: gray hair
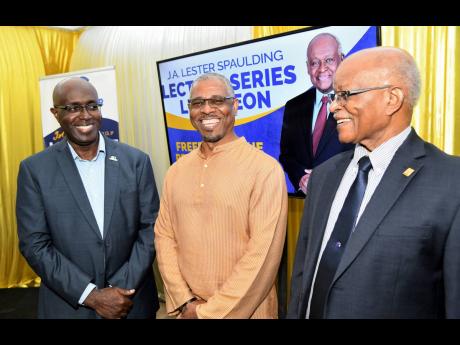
(408, 71)
(217, 76)
(326, 34)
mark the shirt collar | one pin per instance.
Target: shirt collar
(382, 155)
(320, 95)
(225, 147)
(101, 148)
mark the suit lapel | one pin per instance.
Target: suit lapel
(329, 185)
(307, 125)
(391, 186)
(111, 188)
(73, 180)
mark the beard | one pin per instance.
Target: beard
(212, 138)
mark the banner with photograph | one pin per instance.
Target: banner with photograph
(264, 73)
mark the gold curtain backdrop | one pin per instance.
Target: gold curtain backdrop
(26, 54)
(56, 48)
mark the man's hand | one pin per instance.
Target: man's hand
(189, 311)
(304, 181)
(110, 303)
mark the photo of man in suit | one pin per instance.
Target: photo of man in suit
(85, 210)
(388, 242)
(309, 134)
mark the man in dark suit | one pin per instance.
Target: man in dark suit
(300, 148)
(85, 209)
(400, 257)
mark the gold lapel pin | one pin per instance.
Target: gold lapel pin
(408, 172)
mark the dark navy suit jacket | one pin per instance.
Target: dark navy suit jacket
(403, 258)
(60, 238)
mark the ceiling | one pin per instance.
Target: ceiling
(70, 28)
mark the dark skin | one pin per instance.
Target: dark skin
(111, 302)
(82, 132)
(374, 117)
(81, 129)
(222, 131)
(189, 311)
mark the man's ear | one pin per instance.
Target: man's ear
(54, 111)
(395, 100)
(235, 106)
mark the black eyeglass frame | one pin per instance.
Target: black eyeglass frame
(343, 96)
(209, 100)
(79, 107)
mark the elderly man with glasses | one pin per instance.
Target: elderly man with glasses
(386, 243)
(309, 134)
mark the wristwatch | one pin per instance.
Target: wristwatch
(182, 307)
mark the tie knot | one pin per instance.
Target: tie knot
(325, 99)
(365, 164)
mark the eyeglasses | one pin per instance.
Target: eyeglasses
(330, 61)
(214, 102)
(91, 108)
(341, 97)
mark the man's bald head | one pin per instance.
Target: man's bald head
(386, 65)
(81, 126)
(325, 36)
(383, 85)
(65, 88)
(324, 54)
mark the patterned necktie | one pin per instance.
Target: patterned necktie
(320, 123)
(338, 240)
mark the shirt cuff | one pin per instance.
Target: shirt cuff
(85, 293)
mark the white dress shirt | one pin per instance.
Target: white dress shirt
(92, 174)
(317, 107)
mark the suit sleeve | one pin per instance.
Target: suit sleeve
(289, 143)
(36, 242)
(300, 254)
(132, 272)
(452, 270)
(253, 276)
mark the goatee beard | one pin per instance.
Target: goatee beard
(213, 139)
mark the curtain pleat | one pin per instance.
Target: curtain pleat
(26, 54)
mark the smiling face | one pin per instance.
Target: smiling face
(360, 119)
(372, 117)
(322, 61)
(215, 123)
(82, 127)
